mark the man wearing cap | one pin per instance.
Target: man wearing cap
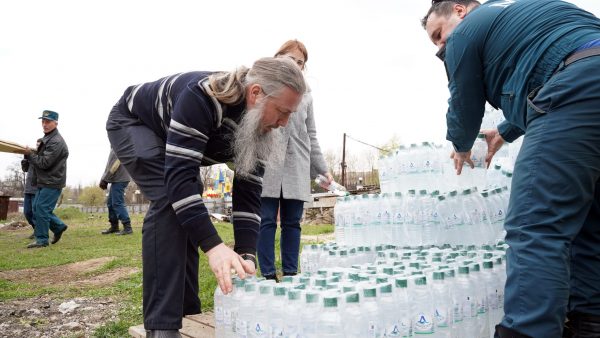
(50, 176)
(538, 61)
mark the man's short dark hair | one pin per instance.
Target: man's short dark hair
(444, 8)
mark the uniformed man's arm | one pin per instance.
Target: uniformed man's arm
(466, 105)
(509, 132)
(53, 152)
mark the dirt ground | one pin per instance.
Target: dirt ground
(48, 317)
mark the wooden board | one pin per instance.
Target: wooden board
(194, 326)
(11, 147)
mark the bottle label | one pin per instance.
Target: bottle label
(277, 331)
(469, 309)
(398, 219)
(258, 329)
(227, 317)
(423, 324)
(219, 314)
(405, 327)
(241, 327)
(458, 316)
(441, 316)
(372, 329)
(393, 331)
(493, 299)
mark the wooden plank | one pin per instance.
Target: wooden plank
(207, 319)
(194, 326)
(194, 329)
(137, 331)
(11, 147)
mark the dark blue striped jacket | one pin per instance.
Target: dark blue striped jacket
(197, 131)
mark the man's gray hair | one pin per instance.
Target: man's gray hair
(272, 74)
(444, 8)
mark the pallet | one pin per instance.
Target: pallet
(194, 326)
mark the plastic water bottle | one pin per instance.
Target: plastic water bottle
(309, 314)
(292, 320)
(277, 310)
(218, 305)
(352, 314)
(442, 303)
(422, 308)
(390, 319)
(258, 327)
(339, 214)
(482, 320)
(246, 310)
(478, 155)
(403, 308)
(491, 281)
(329, 324)
(468, 303)
(332, 186)
(370, 327)
(231, 307)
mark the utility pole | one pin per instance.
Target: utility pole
(344, 162)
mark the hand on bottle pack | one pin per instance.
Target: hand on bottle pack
(222, 261)
(494, 141)
(460, 159)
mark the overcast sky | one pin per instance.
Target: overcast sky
(371, 67)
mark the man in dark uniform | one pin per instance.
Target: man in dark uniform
(162, 132)
(538, 61)
(118, 178)
(49, 162)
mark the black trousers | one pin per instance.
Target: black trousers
(170, 259)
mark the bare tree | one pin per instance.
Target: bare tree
(13, 183)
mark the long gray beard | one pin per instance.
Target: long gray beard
(250, 144)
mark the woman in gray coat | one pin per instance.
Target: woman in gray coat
(286, 183)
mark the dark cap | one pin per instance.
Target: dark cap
(49, 115)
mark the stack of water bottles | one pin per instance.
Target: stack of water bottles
(408, 292)
(421, 217)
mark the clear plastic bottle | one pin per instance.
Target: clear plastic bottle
(258, 327)
(329, 324)
(309, 314)
(352, 312)
(332, 186)
(339, 214)
(403, 308)
(371, 327)
(442, 303)
(390, 321)
(218, 306)
(293, 325)
(468, 303)
(277, 310)
(246, 310)
(422, 308)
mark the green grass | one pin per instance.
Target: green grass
(83, 241)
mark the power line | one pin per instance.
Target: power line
(365, 143)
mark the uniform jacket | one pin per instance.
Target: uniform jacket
(198, 131)
(500, 53)
(50, 161)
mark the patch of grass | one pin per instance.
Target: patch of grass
(83, 241)
(319, 229)
(70, 213)
(11, 290)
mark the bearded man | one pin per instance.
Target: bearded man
(162, 132)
